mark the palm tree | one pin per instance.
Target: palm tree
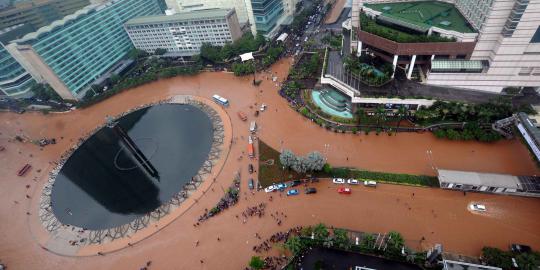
(402, 113)
(380, 115)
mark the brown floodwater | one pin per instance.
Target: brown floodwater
(439, 216)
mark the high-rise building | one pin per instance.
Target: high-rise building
(184, 33)
(72, 53)
(38, 12)
(15, 81)
(263, 16)
(492, 45)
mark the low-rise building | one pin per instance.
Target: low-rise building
(489, 182)
(183, 33)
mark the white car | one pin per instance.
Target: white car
(269, 189)
(477, 207)
(263, 107)
(370, 183)
(338, 181)
(352, 181)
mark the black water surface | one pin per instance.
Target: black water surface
(101, 186)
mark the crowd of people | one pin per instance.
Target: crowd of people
(278, 237)
(253, 211)
(229, 199)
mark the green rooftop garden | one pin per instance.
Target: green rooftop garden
(425, 14)
(371, 26)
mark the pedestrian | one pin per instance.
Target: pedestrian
(218, 239)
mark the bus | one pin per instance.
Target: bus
(220, 100)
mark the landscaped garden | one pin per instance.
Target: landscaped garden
(373, 27)
(275, 167)
(369, 70)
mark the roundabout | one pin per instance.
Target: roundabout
(129, 175)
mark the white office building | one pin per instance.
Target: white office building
(508, 41)
(183, 33)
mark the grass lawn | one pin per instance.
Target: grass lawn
(270, 174)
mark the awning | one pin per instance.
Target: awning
(456, 66)
(282, 37)
(247, 56)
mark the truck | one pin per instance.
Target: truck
(251, 150)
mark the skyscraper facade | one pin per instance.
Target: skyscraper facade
(15, 81)
(38, 12)
(70, 54)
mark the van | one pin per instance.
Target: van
(253, 127)
(370, 183)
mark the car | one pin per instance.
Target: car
(477, 207)
(352, 181)
(251, 184)
(338, 181)
(269, 189)
(263, 107)
(281, 186)
(292, 192)
(370, 183)
(296, 183)
(344, 190)
(518, 248)
(250, 168)
(311, 190)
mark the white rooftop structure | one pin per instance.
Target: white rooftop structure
(247, 56)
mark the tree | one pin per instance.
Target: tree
(300, 165)
(402, 113)
(497, 257)
(394, 244)
(341, 239)
(256, 262)
(528, 261)
(287, 158)
(136, 54)
(44, 92)
(315, 161)
(368, 242)
(211, 53)
(380, 115)
(320, 231)
(295, 245)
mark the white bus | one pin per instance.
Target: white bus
(220, 100)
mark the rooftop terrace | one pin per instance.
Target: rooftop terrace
(425, 14)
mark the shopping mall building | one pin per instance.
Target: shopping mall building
(489, 45)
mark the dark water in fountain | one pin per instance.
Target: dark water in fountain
(103, 186)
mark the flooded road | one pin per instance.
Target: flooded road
(439, 216)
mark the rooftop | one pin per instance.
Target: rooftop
(479, 179)
(425, 14)
(180, 16)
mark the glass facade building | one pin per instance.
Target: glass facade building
(70, 54)
(14, 80)
(266, 14)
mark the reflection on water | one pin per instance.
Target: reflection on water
(101, 186)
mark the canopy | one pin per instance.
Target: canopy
(247, 56)
(282, 37)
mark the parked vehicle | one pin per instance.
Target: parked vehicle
(370, 183)
(352, 181)
(338, 181)
(344, 190)
(281, 186)
(251, 150)
(292, 192)
(242, 116)
(311, 190)
(220, 100)
(269, 189)
(263, 107)
(477, 207)
(519, 248)
(250, 168)
(251, 184)
(253, 127)
(296, 183)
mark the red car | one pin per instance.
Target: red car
(344, 190)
